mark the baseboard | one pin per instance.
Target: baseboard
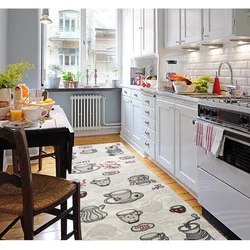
(132, 144)
(103, 131)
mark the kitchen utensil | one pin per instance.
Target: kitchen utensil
(216, 87)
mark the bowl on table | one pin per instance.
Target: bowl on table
(44, 105)
(3, 112)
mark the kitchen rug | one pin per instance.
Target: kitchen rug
(121, 199)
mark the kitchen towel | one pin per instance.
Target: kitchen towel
(208, 136)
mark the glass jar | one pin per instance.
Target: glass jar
(171, 68)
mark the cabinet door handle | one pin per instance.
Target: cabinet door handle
(135, 95)
(147, 112)
(147, 101)
(147, 143)
(146, 132)
(183, 41)
(171, 107)
(125, 92)
(178, 41)
(193, 122)
(147, 122)
(206, 35)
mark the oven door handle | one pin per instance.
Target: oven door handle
(236, 140)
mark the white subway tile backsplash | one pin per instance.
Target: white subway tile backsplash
(244, 72)
(246, 56)
(207, 63)
(213, 58)
(241, 65)
(241, 81)
(224, 57)
(237, 72)
(235, 57)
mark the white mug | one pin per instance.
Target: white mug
(34, 113)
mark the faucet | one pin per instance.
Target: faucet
(230, 68)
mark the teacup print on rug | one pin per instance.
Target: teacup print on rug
(126, 201)
(114, 150)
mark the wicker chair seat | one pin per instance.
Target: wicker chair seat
(47, 190)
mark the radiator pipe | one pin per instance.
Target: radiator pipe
(104, 116)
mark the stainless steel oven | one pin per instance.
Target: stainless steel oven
(224, 181)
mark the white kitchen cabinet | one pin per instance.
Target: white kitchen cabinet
(165, 134)
(221, 23)
(125, 116)
(185, 148)
(131, 119)
(172, 20)
(148, 124)
(182, 26)
(218, 23)
(136, 124)
(191, 26)
(175, 150)
(143, 32)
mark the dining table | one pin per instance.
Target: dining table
(55, 131)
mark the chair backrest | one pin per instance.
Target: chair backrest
(16, 140)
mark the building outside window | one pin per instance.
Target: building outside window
(80, 39)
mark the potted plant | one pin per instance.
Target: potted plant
(10, 77)
(68, 77)
(54, 79)
(115, 77)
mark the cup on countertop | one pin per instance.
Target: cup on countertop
(34, 113)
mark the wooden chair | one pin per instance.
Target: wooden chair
(27, 195)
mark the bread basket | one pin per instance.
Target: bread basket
(182, 87)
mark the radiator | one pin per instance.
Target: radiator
(86, 112)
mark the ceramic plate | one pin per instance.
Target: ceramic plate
(18, 124)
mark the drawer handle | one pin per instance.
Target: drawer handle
(146, 132)
(147, 101)
(135, 95)
(125, 92)
(147, 143)
(147, 122)
(206, 35)
(147, 112)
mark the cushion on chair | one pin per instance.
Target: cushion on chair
(47, 190)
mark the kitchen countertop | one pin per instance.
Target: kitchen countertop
(192, 97)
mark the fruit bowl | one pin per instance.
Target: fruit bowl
(47, 106)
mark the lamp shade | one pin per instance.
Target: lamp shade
(45, 17)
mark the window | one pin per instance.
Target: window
(68, 56)
(97, 51)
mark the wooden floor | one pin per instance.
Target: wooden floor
(53, 232)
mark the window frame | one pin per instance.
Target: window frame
(82, 59)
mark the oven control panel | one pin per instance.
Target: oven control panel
(225, 117)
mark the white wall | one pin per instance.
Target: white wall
(24, 41)
(3, 38)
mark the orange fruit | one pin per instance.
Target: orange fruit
(48, 100)
(40, 102)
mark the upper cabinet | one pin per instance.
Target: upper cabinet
(221, 23)
(191, 25)
(182, 26)
(143, 25)
(217, 23)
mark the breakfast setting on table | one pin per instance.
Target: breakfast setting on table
(27, 108)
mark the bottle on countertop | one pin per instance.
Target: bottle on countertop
(216, 86)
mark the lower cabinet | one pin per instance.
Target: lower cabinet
(165, 134)
(175, 149)
(131, 121)
(185, 148)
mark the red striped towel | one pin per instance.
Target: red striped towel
(208, 136)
